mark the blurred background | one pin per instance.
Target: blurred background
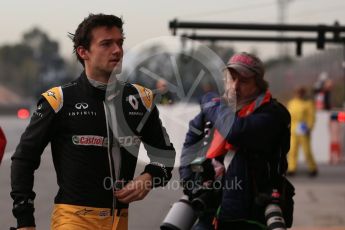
(36, 54)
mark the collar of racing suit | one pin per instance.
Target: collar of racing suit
(100, 90)
(97, 84)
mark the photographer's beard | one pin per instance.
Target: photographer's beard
(230, 97)
(236, 101)
(237, 98)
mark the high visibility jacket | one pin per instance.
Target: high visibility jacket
(302, 112)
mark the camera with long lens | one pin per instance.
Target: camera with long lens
(273, 212)
(204, 194)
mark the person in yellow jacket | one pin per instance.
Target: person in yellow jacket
(302, 112)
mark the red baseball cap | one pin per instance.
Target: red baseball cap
(246, 64)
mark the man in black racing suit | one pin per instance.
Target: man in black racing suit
(94, 163)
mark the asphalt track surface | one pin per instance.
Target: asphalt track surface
(320, 201)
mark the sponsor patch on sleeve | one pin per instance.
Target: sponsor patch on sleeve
(146, 96)
(54, 96)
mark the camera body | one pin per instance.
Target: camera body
(203, 194)
(273, 213)
(181, 216)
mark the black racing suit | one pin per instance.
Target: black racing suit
(84, 149)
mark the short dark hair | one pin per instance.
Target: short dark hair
(83, 34)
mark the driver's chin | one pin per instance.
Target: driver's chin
(115, 69)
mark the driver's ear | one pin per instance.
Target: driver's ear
(82, 52)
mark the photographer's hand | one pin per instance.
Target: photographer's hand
(135, 190)
(219, 168)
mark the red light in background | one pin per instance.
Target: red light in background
(341, 116)
(23, 114)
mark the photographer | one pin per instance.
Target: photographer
(259, 137)
(255, 128)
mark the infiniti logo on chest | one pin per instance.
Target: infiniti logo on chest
(81, 110)
(81, 105)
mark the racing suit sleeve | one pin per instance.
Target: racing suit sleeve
(159, 149)
(26, 160)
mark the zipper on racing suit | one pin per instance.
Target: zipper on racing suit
(114, 154)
